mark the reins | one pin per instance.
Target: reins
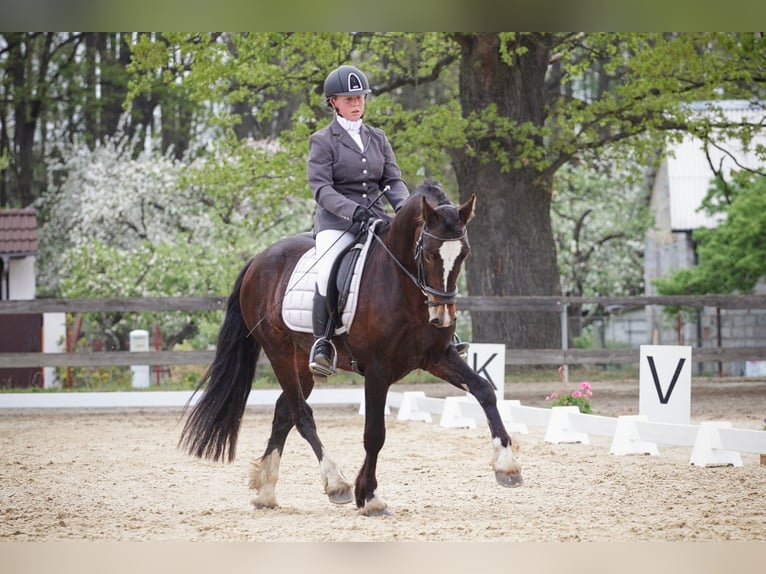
(443, 297)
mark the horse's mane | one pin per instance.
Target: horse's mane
(400, 233)
(432, 191)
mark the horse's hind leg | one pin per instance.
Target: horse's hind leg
(292, 409)
(336, 487)
(264, 471)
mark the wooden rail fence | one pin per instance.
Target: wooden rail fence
(562, 356)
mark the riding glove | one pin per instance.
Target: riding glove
(362, 214)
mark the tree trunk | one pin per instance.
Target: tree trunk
(513, 247)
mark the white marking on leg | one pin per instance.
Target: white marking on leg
(336, 487)
(264, 473)
(503, 460)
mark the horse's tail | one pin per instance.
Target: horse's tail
(213, 423)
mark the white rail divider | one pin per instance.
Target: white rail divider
(513, 424)
(713, 443)
(151, 399)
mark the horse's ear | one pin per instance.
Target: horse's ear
(430, 217)
(466, 210)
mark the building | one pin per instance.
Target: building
(681, 183)
(19, 333)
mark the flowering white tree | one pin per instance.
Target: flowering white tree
(600, 218)
(123, 226)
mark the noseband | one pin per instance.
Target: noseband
(441, 297)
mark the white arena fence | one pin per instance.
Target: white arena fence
(712, 443)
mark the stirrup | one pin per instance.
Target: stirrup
(461, 347)
(323, 368)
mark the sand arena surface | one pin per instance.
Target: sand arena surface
(116, 475)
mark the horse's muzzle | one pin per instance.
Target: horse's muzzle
(442, 315)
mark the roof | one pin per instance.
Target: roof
(18, 231)
(689, 172)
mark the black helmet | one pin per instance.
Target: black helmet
(346, 81)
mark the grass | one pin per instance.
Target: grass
(182, 378)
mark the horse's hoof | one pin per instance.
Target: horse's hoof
(374, 507)
(374, 512)
(341, 497)
(264, 502)
(508, 480)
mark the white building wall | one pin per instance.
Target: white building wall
(21, 278)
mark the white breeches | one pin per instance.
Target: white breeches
(329, 243)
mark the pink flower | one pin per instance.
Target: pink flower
(576, 394)
(585, 386)
(588, 393)
(552, 396)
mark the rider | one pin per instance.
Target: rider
(350, 164)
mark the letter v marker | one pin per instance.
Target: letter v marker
(665, 398)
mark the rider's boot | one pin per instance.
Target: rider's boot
(322, 358)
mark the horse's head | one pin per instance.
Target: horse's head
(440, 249)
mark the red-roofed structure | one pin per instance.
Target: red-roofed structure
(19, 333)
(18, 232)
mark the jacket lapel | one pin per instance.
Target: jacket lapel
(345, 138)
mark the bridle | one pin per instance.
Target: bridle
(440, 297)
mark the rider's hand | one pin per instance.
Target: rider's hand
(362, 214)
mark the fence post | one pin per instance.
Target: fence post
(564, 341)
(139, 341)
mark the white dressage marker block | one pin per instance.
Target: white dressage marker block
(707, 449)
(626, 438)
(452, 415)
(506, 413)
(409, 410)
(559, 428)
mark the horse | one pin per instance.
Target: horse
(405, 320)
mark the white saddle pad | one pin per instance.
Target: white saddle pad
(298, 303)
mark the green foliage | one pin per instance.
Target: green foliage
(250, 101)
(732, 256)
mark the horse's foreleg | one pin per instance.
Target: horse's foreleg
(453, 369)
(367, 500)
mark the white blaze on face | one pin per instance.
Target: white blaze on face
(449, 252)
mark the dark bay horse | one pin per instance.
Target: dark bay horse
(405, 320)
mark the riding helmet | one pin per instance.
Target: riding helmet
(346, 81)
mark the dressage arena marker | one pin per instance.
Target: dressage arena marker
(665, 383)
(713, 443)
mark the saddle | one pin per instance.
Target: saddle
(342, 289)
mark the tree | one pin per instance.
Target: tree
(119, 226)
(60, 86)
(732, 256)
(525, 105)
(600, 217)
